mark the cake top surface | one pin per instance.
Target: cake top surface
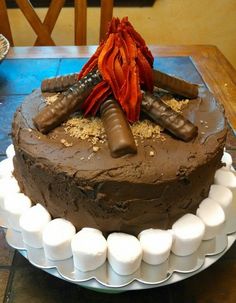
(157, 159)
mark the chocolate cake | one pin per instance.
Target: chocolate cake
(164, 180)
(118, 178)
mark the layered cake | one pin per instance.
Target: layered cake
(103, 172)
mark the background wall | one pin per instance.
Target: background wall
(167, 22)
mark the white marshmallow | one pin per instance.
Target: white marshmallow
(212, 214)
(124, 253)
(156, 245)
(6, 168)
(16, 204)
(10, 151)
(57, 236)
(8, 185)
(188, 232)
(32, 224)
(227, 160)
(225, 178)
(223, 196)
(89, 248)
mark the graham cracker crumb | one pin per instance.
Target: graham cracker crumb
(163, 139)
(95, 148)
(151, 153)
(146, 129)
(82, 128)
(66, 143)
(175, 104)
(90, 156)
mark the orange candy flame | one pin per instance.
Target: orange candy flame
(125, 63)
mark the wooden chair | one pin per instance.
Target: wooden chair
(44, 29)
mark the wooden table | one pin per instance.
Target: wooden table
(22, 282)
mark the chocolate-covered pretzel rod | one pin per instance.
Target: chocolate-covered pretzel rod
(175, 85)
(119, 135)
(59, 84)
(167, 118)
(67, 103)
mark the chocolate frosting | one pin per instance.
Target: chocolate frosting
(126, 194)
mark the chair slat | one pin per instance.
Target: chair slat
(44, 29)
(29, 13)
(5, 28)
(80, 22)
(51, 17)
(106, 15)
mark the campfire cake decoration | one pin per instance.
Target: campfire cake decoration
(118, 81)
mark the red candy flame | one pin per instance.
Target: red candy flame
(125, 63)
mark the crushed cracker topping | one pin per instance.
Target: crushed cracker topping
(92, 129)
(146, 129)
(175, 104)
(95, 148)
(66, 143)
(151, 153)
(82, 128)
